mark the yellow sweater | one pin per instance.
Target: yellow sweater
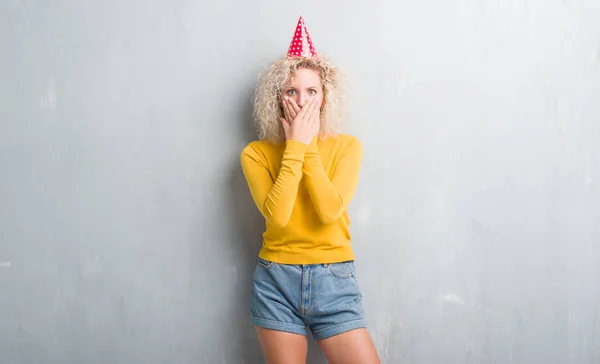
(303, 192)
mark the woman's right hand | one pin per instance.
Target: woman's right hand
(305, 124)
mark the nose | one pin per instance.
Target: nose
(301, 99)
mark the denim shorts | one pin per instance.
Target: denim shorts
(325, 298)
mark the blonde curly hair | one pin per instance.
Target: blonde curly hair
(267, 99)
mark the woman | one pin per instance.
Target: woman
(302, 175)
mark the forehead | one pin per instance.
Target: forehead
(304, 77)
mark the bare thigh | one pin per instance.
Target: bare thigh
(282, 347)
(352, 347)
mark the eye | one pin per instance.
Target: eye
(291, 92)
(312, 92)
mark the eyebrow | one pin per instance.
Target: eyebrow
(294, 88)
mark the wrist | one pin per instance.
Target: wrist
(296, 145)
(301, 140)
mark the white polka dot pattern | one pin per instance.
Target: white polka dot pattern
(301, 45)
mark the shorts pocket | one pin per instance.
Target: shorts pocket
(342, 270)
(265, 263)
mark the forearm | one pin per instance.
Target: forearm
(279, 203)
(276, 200)
(330, 196)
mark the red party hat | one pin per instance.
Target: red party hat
(302, 45)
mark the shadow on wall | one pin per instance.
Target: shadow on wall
(246, 226)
